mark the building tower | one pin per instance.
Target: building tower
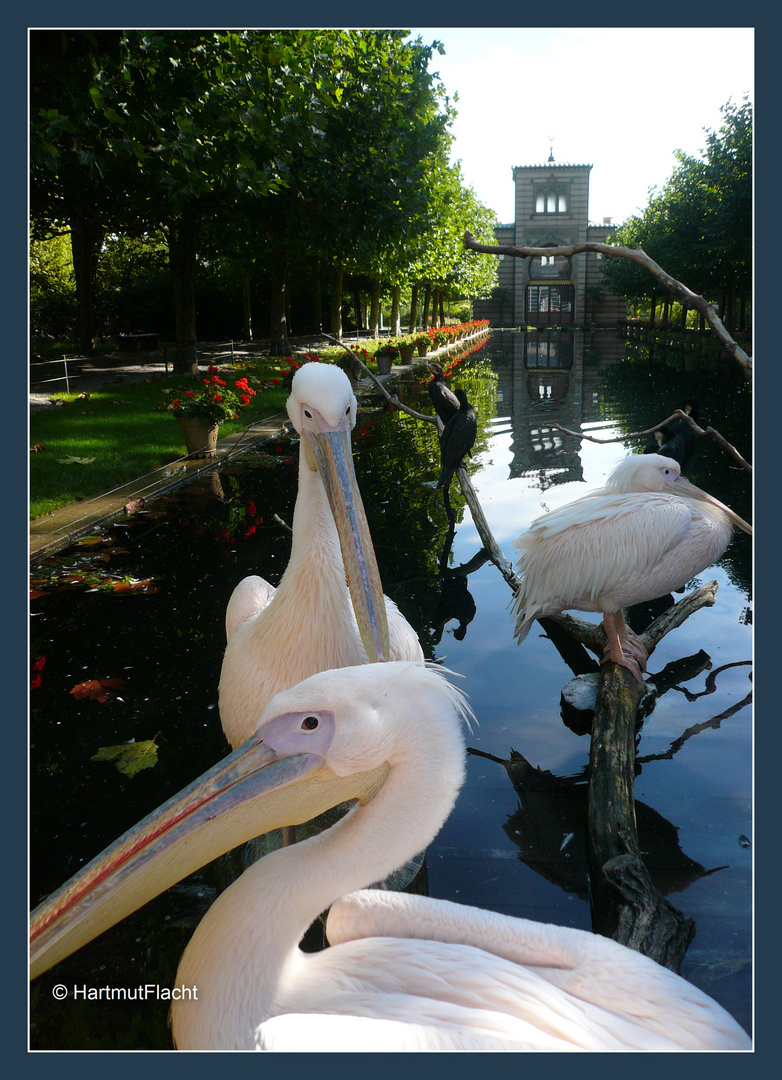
(552, 210)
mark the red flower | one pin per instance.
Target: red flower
(175, 404)
(39, 663)
(35, 682)
(275, 382)
(251, 510)
(245, 399)
(218, 397)
(249, 531)
(189, 393)
(213, 369)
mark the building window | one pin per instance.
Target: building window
(550, 266)
(552, 199)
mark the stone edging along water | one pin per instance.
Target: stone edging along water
(52, 532)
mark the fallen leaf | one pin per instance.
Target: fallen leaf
(37, 448)
(129, 586)
(97, 689)
(135, 505)
(129, 758)
(35, 593)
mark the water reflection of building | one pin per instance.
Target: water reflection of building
(547, 377)
(552, 210)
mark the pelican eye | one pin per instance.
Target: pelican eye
(310, 723)
(308, 414)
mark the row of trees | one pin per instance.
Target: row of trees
(281, 160)
(698, 226)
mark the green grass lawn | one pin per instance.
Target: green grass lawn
(125, 433)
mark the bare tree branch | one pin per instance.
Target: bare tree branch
(709, 432)
(636, 255)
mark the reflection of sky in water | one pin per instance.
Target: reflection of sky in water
(703, 790)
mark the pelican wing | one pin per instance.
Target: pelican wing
(252, 594)
(403, 639)
(576, 986)
(324, 1033)
(580, 555)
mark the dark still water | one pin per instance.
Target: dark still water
(143, 602)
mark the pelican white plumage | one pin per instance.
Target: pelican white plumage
(646, 533)
(314, 620)
(403, 973)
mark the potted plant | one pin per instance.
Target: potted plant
(201, 408)
(385, 356)
(407, 347)
(422, 343)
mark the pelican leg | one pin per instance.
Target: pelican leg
(621, 642)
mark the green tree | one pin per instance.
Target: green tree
(698, 227)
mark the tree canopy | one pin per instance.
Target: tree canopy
(699, 225)
(263, 146)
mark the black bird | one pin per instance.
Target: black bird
(677, 440)
(457, 439)
(446, 403)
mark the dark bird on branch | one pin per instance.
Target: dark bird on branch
(677, 440)
(446, 403)
(457, 439)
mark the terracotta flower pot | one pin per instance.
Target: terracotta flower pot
(200, 435)
(406, 353)
(423, 348)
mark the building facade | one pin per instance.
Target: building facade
(551, 210)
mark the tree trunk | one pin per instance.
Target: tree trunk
(652, 309)
(182, 251)
(278, 324)
(337, 275)
(427, 298)
(413, 308)
(395, 323)
(247, 320)
(86, 241)
(318, 299)
(374, 307)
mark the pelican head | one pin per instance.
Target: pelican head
(322, 408)
(323, 742)
(654, 472)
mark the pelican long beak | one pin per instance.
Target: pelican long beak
(333, 456)
(249, 793)
(689, 491)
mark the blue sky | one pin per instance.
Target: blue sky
(620, 99)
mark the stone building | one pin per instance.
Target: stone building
(552, 210)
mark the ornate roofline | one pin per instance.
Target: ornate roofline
(550, 165)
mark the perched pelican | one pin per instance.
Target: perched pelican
(445, 402)
(677, 440)
(276, 638)
(457, 439)
(646, 533)
(403, 973)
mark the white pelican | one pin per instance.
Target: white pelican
(646, 533)
(403, 972)
(276, 638)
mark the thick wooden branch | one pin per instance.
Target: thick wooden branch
(709, 432)
(625, 904)
(636, 255)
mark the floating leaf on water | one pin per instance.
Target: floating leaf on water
(97, 689)
(129, 758)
